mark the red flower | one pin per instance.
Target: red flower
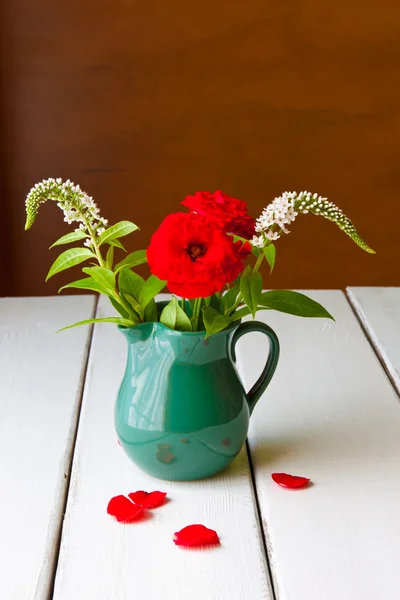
(123, 509)
(289, 481)
(196, 535)
(148, 500)
(230, 212)
(194, 255)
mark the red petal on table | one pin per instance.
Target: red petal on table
(196, 535)
(148, 500)
(289, 481)
(123, 509)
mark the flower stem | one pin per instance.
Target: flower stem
(258, 263)
(95, 246)
(196, 313)
(238, 302)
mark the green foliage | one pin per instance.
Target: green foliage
(174, 317)
(151, 287)
(119, 308)
(293, 303)
(270, 254)
(150, 312)
(118, 244)
(251, 288)
(117, 320)
(130, 283)
(116, 231)
(228, 300)
(241, 313)
(110, 257)
(133, 302)
(103, 276)
(68, 259)
(88, 283)
(214, 321)
(132, 260)
(75, 236)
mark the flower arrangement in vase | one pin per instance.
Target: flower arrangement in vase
(181, 411)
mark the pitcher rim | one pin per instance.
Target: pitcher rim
(124, 329)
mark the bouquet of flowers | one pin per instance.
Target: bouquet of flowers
(208, 257)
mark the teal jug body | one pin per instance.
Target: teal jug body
(182, 412)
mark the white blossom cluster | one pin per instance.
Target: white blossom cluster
(76, 205)
(283, 210)
(279, 213)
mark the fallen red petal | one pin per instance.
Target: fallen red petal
(196, 535)
(123, 509)
(148, 499)
(289, 481)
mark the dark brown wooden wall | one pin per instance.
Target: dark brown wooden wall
(144, 102)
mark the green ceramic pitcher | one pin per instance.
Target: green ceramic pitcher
(182, 412)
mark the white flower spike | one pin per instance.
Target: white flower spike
(283, 210)
(77, 206)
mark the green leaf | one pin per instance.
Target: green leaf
(251, 288)
(293, 303)
(150, 312)
(209, 315)
(69, 238)
(174, 317)
(118, 244)
(118, 320)
(88, 283)
(110, 257)
(130, 283)
(213, 321)
(103, 276)
(243, 312)
(116, 231)
(119, 308)
(151, 288)
(132, 260)
(240, 313)
(135, 309)
(133, 302)
(68, 259)
(229, 299)
(215, 302)
(270, 253)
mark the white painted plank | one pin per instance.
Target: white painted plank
(378, 309)
(330, 414)
(103, 560)
(41, 376)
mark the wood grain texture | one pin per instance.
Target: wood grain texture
(105, 560)
(142, 103)
(330, 414)
(41, 376)
(379, 312)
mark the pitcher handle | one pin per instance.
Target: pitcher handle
(273, 356)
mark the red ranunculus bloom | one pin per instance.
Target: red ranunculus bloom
(194, 255)
(230, 212)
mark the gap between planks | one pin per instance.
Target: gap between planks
(373, 340)
(67, 474)
(263, 537)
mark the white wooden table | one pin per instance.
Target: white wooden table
(331, 413)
